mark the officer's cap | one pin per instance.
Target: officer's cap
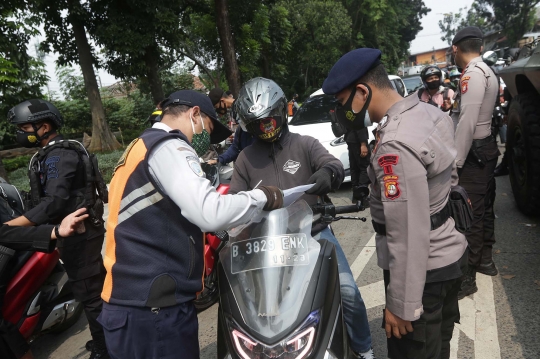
(470, 32)
(350, 68)
(193, 98)
(215, 95)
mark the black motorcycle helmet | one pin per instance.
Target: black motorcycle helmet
(34, 111)
(261, 109)
(428, 71)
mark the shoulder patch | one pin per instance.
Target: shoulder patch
(195, 165)
(391, 180)
(52, 171)
(464, 86)
(122, 160)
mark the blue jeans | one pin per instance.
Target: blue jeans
(354, 309)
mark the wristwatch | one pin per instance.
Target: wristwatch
(57, 232)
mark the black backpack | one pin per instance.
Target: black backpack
(95, 193)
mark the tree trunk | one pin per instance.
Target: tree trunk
(227, 47)
(152, 73)
(102, 137)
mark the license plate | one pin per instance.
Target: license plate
(267, 252)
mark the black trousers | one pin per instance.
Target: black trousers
(151, 333)
(479, 182)
(84, 266)
(358, 164)
(433, 331)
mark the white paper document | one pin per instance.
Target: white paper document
(292, 194)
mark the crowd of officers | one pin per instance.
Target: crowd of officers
(160, 203)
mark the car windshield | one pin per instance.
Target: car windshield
(315, 110)
(413, 83)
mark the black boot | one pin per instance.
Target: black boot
(487, 266)
(468, 285)
(99, 350)
(361, 194)
(89, 345)
(501, 170)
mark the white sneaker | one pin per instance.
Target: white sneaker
(367, 355)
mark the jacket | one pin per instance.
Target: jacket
(286, 163)
(412, 170)
(241, 140)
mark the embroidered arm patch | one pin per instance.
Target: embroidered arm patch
(390, 179)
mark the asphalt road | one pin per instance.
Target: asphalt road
(501, 321)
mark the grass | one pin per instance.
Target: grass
(19, 177)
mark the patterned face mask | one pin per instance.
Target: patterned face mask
(200, 141)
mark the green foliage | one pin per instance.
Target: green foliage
(19, 176)
(11, 164)
(71, 83)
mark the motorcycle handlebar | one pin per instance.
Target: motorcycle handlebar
(348, 209)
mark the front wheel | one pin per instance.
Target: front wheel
(524, 151)
(210, 294)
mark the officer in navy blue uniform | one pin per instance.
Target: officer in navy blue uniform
(60, 191)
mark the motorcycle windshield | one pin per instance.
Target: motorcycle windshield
(269, 264)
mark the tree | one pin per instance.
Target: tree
(449, 25)
(64, 24)
(227, 46)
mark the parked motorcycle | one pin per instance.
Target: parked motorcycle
(279, 288)
(38, 297)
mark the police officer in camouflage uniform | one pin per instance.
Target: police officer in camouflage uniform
(412, 169)
(477, 150)
(61, 191)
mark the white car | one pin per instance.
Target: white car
(313, 119)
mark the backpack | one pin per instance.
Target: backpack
(11, 206)
(95, 192)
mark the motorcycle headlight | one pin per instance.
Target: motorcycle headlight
(297, 346)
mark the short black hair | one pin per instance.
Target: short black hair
(377, 77)
(174, 110)
(470, 45)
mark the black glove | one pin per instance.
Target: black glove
(359, 193)
(274, 197)
(323, 182)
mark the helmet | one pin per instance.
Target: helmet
(33, 111)
(455, 73)
(490, 58)
(428, 71)
(261, 108)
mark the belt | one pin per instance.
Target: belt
(484, 141)
(437, 220)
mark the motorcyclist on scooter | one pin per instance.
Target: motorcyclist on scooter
(284, 159)
(41, 239)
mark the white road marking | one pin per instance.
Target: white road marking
(478, 315)
(363, 258)
(373, 294)
(486, 344)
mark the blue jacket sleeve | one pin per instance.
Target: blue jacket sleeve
(233, 151)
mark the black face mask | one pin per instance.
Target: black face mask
(221, 110)
(433, 84)
(356, 121)
(28, 139)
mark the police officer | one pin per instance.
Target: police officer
(40, 239)
(58, 188)
(477, 150)
(160, 202)
(418, 247)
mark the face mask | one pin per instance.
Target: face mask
(200, 141)
(433, 85)
(361, 119)
(28, 139)
(221, 110)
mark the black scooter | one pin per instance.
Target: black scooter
(279, 288)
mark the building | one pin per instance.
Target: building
(433, 57)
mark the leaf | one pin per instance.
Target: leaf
(508, 276)
(505, 267)
(497, 251)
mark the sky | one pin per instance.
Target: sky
(430, 36)
(427, 39)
